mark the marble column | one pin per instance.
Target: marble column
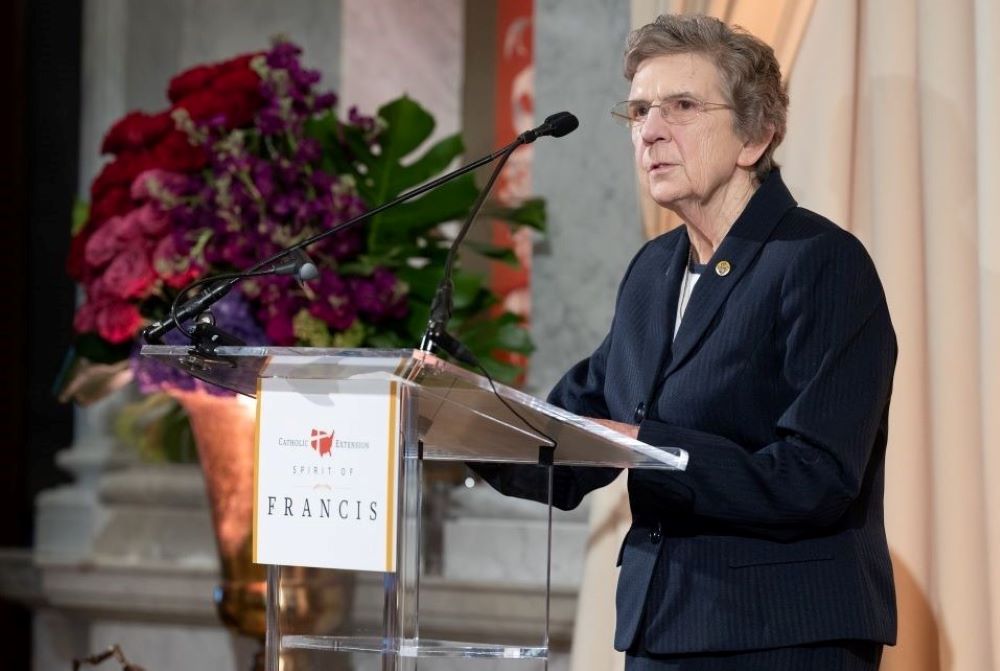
(586, 179)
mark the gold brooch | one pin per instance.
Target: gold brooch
(722, 268)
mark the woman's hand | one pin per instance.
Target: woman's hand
(630, 430)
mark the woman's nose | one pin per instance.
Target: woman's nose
(655, 127)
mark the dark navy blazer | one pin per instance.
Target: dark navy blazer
(778, 385)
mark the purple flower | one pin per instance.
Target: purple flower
(271, 121)
(333, 301)
(380, 297)
(343, 245)
(309, 151)
(325, 101)
(283, 55)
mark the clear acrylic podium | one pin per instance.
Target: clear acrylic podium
(447, 414)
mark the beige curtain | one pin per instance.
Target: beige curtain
(895, 117)
(895, 106)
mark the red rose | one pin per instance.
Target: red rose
(236, 107)
(241, 62)
(241, 109)
(205, 104)
(176, 154)
(121, 172)
(114, 202)
(76, 263)
(135, 131)
(118, 322)
(130, 275)
(190, 81)
(202, 76)
(242, 81)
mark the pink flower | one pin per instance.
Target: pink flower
(111, 238)
(130, 274)
(175, 270)
(149, 219)
(85, 319)
(118, 322)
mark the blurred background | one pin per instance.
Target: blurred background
(892, 132)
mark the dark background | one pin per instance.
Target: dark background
(38, 182)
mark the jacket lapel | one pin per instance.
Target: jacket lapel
(733, 258)
(665, 293)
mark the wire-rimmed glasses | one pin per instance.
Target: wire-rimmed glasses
(675, 110)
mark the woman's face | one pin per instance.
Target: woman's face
(685, 164)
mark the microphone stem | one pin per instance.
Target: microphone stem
(441, 305)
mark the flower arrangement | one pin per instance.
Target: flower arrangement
(250, 158)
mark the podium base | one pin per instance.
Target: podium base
(414, 647)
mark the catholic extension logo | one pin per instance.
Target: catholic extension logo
(322, 442)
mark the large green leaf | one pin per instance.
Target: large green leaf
(422, 281)
(501, 333)
(530, 213)
(493, 252)
(408, 125)
(406, 221)
(433, 162)
(407, 238)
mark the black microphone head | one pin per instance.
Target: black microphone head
(561, 123)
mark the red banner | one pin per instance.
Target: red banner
(515, 107)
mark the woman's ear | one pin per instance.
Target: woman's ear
(754, 149)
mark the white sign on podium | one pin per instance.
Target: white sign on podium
(326, 473)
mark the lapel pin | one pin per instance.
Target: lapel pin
(722, 268)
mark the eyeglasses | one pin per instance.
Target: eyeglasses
(676, 110)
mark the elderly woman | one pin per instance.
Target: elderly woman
(757, 337)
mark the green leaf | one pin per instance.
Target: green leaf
(502, 333)
(468, 287)
(81, 211)
(422, 281)
(416, 217)
(416, 321)
(530, 213)
(387, 340)
(501, 371)
(434, 161)
(99, 350)
(411, 231)
(494, 252)
(409, 123)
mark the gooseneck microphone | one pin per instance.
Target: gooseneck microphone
(556, 125)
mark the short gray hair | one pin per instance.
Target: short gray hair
(750, 74)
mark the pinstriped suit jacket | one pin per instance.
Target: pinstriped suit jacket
(778, 385)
